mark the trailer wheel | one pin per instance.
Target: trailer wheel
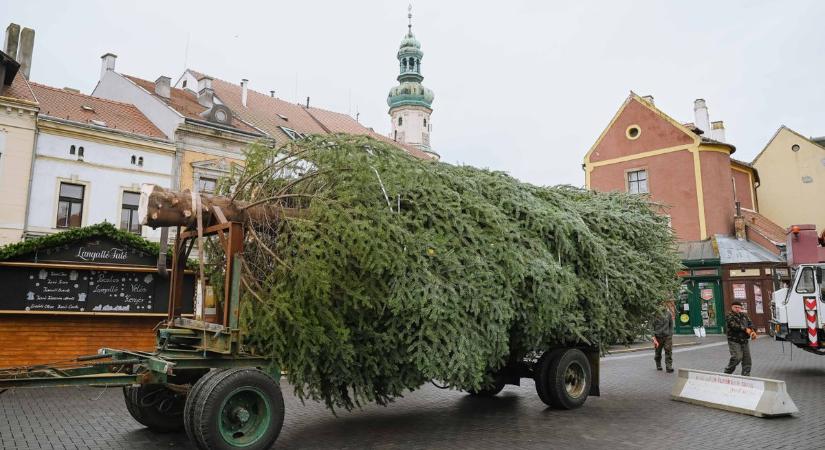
(238, 408)
(490, 391)
(192, 399)
(563, 378)
(155, 407)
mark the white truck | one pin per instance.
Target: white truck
(798, 311)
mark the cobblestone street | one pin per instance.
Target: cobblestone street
(635, 411)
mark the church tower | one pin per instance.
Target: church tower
(410, 102)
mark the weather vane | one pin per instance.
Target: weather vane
(409, 16)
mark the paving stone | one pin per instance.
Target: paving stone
(634, 412)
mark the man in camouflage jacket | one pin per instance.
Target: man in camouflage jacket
(663, 335)
(739, 331)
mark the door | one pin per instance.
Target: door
(709, 302)
(755, 298)
(700, 305)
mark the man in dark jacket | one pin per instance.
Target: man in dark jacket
(663, 337)
(739, 330)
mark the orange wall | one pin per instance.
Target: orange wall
(656, 133)
(36, 339)
(744, 193)
(718, 192)
(671, 181)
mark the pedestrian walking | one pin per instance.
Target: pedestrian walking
(663, 337)
(739, 330)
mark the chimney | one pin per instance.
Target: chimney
(163, 86)
(649, 99)
(107, 63)
(307, 102)
(12, 40)
(739, 223)
(24, 51)
(702, 120)
(244, 91)
(206, 96)
(272, 94)
(717, 131)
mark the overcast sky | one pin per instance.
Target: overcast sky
(520, 86)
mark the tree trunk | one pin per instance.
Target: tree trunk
(161, 207)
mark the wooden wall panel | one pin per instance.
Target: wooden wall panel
(37, 339)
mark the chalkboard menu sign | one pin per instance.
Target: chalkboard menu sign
(90, 291)
(92, 275)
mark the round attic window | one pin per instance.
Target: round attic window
(795, 147)
(633, 132)
(220, 116)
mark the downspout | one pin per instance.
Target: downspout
(31, 180)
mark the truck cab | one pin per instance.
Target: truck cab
(798, 311)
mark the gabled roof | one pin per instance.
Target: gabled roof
(270, 113)
(747, 166)
(764, 226)
(20, 89)
(88, 110)
(778, 130)
(186, 103)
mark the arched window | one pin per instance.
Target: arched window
(71, 150)
(80, 152)
(400, 121)
(425, 122)
(134, 160)
(140, 161)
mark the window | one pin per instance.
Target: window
(80, 153)
(140, 161)
(400, 121)
(633, 132)
(294, 135)
(70, 205)
(795, 147)
(425, 122)
(129, 212)
(207, 185)
(134, 159)
(184, 84)
(637, 182)
(71, 150)
(805, 285)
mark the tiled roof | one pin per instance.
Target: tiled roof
(186, 103)
(85, 109)
(271, 113)
(20, 89)
(764, 226)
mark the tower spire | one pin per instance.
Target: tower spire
(409, 18)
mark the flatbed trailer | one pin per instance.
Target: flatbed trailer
(202, 378)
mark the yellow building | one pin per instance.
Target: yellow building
(792, 179)
(18, 122)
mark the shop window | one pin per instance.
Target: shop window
(70, 205)
(806, 282)
(637, 182)
(207, 185)
(129, 212)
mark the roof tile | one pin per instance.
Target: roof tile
(89, 110)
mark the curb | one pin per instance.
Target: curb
(641, 349)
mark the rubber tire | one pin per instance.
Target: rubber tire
(192, 398)
(540, 370)
(214, 392)
(492, 391)
(550, 383)
(149, 416)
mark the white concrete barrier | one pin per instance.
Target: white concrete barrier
(760, 397)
